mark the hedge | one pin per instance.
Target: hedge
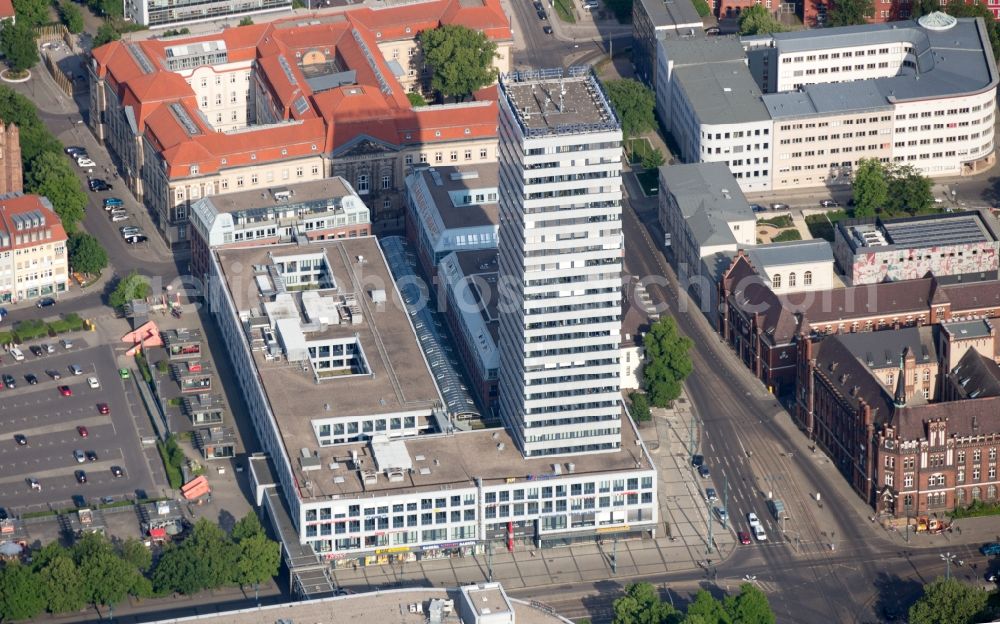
(174, 476)
(31, 329)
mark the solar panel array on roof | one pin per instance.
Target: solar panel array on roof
(932, 232)
(185, 120)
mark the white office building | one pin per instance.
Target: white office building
(560, 263)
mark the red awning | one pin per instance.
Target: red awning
(158, 533)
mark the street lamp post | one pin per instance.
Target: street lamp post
(947, 558)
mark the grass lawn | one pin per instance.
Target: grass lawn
(780, 221)
(564, 8)
(821, 225)
(787, 235)
(650, 182)
(637, 149)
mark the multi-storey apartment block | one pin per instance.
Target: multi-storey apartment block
(33, 255)
(560, 264)
(656, 19)
(919, 93)
(167, 13)
(268, 105)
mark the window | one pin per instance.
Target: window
(791, 280)
(386, 182)
(807, 278)
(776, 281)
(363, 183)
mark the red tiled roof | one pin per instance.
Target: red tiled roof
(379, 109)
(23, 204)
(6, 9)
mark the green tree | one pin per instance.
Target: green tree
(61, 584)
(17, 41)
(949, 602)
(216, 555)
(461, 59)
(132, 286)
(634, 104)
(71, 16)
(108, 580)
(259, 560)
(750, 606)
(51, 176)
(135, 553)
(246, 527)
(416, 99)
(20, 593)
(909, 190)
(756, 20)
(653, 159)
(850, 12)
(668, 362)
(177, 570)
(870, 188)
(642, 605)
(640, 406)
(246, 21)
(106, 33)
(923, 7)
(35, 137)
(31, 12)
(705, 608)
(86, 254)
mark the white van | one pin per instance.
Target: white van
(17, 353)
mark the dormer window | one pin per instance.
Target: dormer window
(194, 169)
(253, 156)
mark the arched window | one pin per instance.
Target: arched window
(776, 281)
(959, 497)
(791, 280)
(976, 493)
(991, 492)
(807, 278)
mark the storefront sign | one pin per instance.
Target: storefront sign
(614, 529)
(394, 549)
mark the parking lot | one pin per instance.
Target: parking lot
(50, 422)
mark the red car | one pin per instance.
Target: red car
(65, 391)
(83, 432)
(103, 408)
(744, 537)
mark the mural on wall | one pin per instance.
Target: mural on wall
(874, 267)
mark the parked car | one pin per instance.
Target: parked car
(17, 354)
(93, 382)
(779, 206)
(542, 15)
(83, 161)
(538, 5)
(65, 391)
(129, 230)
(9, 381)
(31, 379)
(123, 373)
(829, 203)
(756, 208)
(120, 216)
(76, 151)
(82, 431)
(81, 476)
(67, 343)
(103, 408)
(97, 184)
(712, 30)
(79, 456)
(547, 30)
(697, 460)
(34, 484)
(704, 472)
(136, 239)
(91, 456)
(75, 369)
(21, 439)
(117, 472)
(45, 302)
(721, 513)
(992, 577)
(991, 549)
(54, 374)
(710, 495)
(48, 348)
(112, 202)
(36, 351)
(744, 537)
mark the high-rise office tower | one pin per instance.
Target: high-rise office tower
(560, 249)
